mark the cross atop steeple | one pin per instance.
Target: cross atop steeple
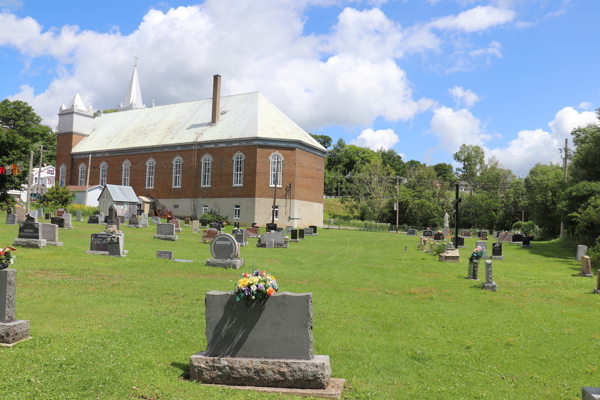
(136, 60)
(133, 96)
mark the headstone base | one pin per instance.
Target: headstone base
(590, 393)
(295, 240)
(233, 264)
(586, 275)
(525, 246)
(33, 243)
(334, 389)
(13, 332)
(134, 226)
(491, 286)
(105, 253)
(497, 257)
(56, 244)
(275, 245)
(243, 244)
(172, 238)
(450, 255)
(242, 371)
(596, 291)
(143, 226)
(178, 230)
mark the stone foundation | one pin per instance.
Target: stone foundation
(33, 243)
(276, 245)
(13, 332)
(105, 253)
(491, 286)
(172, 238)
(304, 374)
(497, 257)
(233, 264)
(57, 244)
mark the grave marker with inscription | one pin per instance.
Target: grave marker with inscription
(12, 330)
(166, 232)
(225, 252)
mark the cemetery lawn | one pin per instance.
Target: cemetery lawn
(397, 324)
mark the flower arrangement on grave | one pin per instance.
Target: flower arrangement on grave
(112, 231)
(478, 252)
(258, 285)
(6, 257)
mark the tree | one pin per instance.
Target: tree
(20, 132)
(445, 172)
(374, 186)
(57, 196)
(472, 159)
(393, 160)
(324, 140)
(586, 163)
(545, 184)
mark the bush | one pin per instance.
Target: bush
(57, 197)
(529, 228)
(212, 216)
(86, 211)
(6, 201)
(594, 253)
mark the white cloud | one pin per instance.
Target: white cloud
(531, 147)
(455, 128)
(462, 96)
(476, 19)
(375, 140)
(585, 105)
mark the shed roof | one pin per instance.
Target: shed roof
(121, 193)
(243, 116)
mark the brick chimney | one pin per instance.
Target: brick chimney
(216, 99)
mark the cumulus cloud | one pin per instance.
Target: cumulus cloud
(375, 140)
(462, 96)
(531, 147)
(585, 105)
(455, 128)
(476, 19)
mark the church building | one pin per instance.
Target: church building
(234, 155)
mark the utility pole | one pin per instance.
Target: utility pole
(30, 178)
(275, 189)
(397, 205)
(456, 216)
(565, 166)
(40, 170)
(87, 181)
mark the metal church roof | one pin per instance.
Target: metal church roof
(243, 116)
(121, 193)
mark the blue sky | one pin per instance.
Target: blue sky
(419, 76)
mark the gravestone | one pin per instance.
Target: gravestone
(209, 234)
(308, 232)
(253, 232)
(288, 229)
(459, 242)
(29, 235)
(236, 225)
(254, 225)
(93, 219)
(597, 290)
(427, 233)
(51, 234)
(450, 255)
(11, 219)
(60, 212)
(279, 240)
(99, 242)
(101, 218)
(12, 330)
(489, 283)
(405, 248)
(270, 243)
(265, 344)
(9, 210)
(112, 215)
(412, 232)
(526, 241)
(449, 246)
(204, 222)
(78, 216)
(166, 232)
(483, 235)
(505, 237)
(133, 221)
(40, 212)
(225, 252)
(586, 266)
(241, 236)
(155, 219)
(121, 219)
(446, 225)
(473, 271)
(186, 221)
(438, 236)
(166, 254)
(517, 238)
(30, 218)
(115, 247)
(314, 229)
(484, 245)
(68, 220)
(144, 220)
(33, 214)
(294, 234)
(177, 223)
(590, 393)
(216, 225)
(581, 251)
(280, 229)
(195, 226)
(300, 233)
(497, 253)
(271, 227)
(20, 214)
(58, 221)
(48, 216)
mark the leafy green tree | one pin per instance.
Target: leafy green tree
(57, 196)
(374, 186)
(445, 172)
(393, 160)
(324, 140)
(20, 132)
(545, 184)
(586, 162)
(472, 159)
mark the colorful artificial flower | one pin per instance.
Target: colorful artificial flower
(257, 285)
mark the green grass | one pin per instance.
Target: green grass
(396, 324)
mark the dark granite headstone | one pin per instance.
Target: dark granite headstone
(314, 228)
(133, 221)
(517, 238)
(253, 224)
(458, 241)
(216, 225)
(224, 247)
(294, 234)
(271, 227)
(29, 230)
(484, 235)
(29, 218)
(412, 232)
(11, 219)
(427, 233)
(58, 221)
(496, 249)
(236, 225)
(93, 219)
(280, 229)
(527, 240)
(48, 216)
(204, 222)
(186, 221)
(9, 210)
(99, 242)
(438, 236)
(300, 233)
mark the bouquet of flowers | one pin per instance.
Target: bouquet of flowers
(257, 285)
(112, 231)
(478, 252)
(6, 257)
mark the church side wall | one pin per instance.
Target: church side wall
(64, 144)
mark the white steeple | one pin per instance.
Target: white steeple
(133, 97)
(76, 117)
